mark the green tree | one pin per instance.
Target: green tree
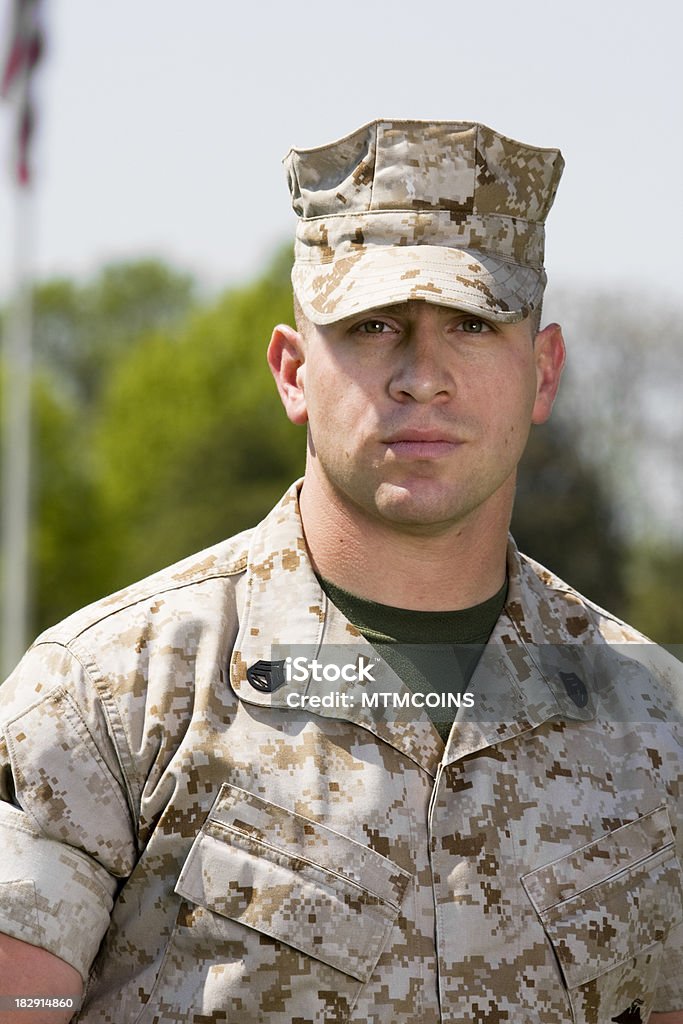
(64, 505)
(82, 330)
(192, 443)
(65, 549)
(566, 518)
(621, 394)
(655, 575)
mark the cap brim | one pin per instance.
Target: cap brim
(475, 282)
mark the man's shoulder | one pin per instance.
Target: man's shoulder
(565, 616)
(174, 588)
(575, 612)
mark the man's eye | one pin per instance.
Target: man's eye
(374, 327)
(474, 325)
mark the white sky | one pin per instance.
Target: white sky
(163, 123)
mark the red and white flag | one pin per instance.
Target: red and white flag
(24, 50)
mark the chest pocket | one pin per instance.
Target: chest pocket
(282, 918)
(607, 909)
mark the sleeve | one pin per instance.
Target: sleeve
(669, 996)
(66, 831)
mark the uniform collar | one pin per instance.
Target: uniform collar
(531, 670)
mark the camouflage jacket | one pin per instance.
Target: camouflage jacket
(201, 850)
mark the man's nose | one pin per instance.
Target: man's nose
(422, 373)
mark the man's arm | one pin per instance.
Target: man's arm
(27, 971)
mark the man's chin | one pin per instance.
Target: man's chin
(423, 508)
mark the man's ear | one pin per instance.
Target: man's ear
(549, 354)
(286, 358)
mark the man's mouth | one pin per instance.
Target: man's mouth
(421, 444)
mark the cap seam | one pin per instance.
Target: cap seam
(417, 213)
(419, 121)
(475, 176)
(374, 166)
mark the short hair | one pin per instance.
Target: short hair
(300, 319)
(535, 318)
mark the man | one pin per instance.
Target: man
(209, 815)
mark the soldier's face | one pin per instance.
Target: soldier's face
(418, 414)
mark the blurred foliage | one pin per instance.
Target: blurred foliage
(171, 437)
(159, 431)
(655, 575)
(65, 543)
(621, 397)
(192, 444)
(565, 518)
(82, 330)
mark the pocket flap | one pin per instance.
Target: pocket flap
(614, 897)
(295, 880)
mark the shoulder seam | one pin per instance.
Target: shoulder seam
(53, 635)
(133, 787)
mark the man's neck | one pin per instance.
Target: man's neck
(457, 568)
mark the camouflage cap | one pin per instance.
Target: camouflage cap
(447, 211)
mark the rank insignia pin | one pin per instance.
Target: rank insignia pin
(266, 676)
(576, 688)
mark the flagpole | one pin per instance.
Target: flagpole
(16, 438)
(24, 51)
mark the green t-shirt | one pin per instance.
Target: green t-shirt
(431, 651)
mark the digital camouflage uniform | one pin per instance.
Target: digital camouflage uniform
(203, 852)
(264, 864)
